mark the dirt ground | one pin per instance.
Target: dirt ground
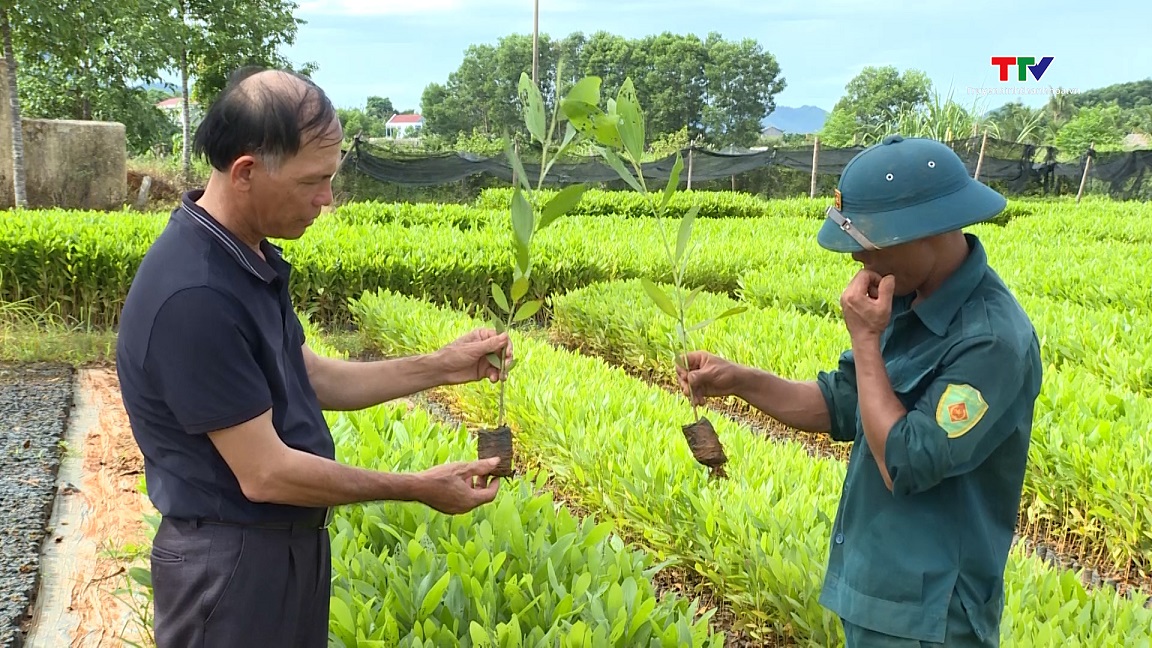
(114, 528)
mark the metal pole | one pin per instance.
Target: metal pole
(535, 42)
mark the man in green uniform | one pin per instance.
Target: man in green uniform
(937, 394)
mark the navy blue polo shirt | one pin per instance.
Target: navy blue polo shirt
(209, 339)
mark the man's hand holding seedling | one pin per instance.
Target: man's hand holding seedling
(466, 359)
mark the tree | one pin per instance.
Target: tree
(742, 81)
(86, 59)
(1097, 126)
(878, 95)
(715, 88)
(671, 72)
(355, 120)
(379, 108)
(212, 38)
(1132, 94)
(18, 184)
(840, 129)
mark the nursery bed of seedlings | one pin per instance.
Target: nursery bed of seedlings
(615, 445)
(759, 539)
(79, 264)
(34, 405)
(520, 571)
(523, 571)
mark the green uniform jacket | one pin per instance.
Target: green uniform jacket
(966, 365)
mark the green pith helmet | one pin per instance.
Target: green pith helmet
(901, 190)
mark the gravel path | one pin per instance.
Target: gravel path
(34, 405)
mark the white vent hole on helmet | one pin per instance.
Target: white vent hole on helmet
(889, 176)
(931, 164)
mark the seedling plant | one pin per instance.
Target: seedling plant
(619, 132)
(527, 222)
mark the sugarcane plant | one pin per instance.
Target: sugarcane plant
(618, 136)
(526, 222)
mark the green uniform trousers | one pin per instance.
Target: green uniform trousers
(958, 635)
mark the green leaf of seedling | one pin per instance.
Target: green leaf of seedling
(495, 321)
(586, 90)
(658, 296)
(480, 636)
(494, 360)
(561, 204)
(631, 126)
(521, 179)
(533, 106)
(569, 135)
(606, 128)
(522, 223)
(692, 297)
(141, 576)
(728, 313)
(342, 615)
(528, 309)
(523, 261)
(616, 163)
(685, 231)
(498, 295)
(581, 115)
(522, 217)
(519, 288)
(434, 595)
(673, 180)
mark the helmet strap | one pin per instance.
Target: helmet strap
(846, 225)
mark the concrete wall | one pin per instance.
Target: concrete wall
(69, 164)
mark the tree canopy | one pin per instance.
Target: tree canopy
(719, 90)
(93, 59)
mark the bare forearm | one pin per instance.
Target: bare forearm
(798, 405)
(343, 385)
(879, 407)
(303, 479)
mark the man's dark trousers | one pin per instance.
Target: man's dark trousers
(224, 585)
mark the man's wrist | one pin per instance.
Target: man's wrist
(428, 369)
(865, 343)
(745, 380)
(402, 487)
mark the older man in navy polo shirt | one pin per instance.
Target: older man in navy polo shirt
(225, 398)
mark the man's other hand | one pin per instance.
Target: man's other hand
(459, 487)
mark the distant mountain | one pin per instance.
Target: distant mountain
(805, 119)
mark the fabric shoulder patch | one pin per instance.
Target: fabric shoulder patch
(961, 407)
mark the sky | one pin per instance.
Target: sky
(395, 48)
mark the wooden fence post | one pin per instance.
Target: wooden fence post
(980, 160)
(815, 162)
(690, 149)
(1084, 178)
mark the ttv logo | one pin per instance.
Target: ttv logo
(1022, 64)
